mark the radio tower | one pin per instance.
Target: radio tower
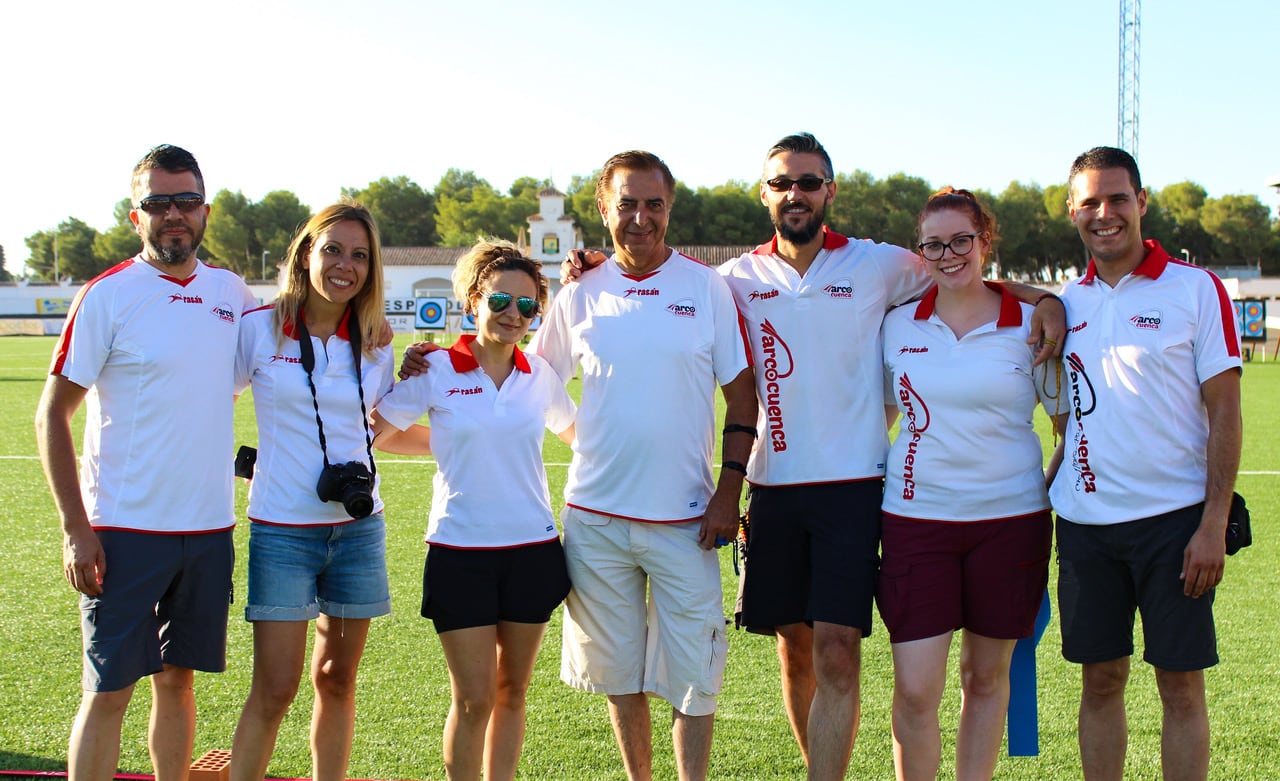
(1127, 110)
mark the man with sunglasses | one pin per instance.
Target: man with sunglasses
(1152, 445)
(147, 528)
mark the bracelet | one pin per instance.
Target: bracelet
(1054, 296)
(736, 466)
(730, 428)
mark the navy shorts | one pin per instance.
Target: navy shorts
(813, 555)
(1106, 572)
(164, 600)
(468, 587)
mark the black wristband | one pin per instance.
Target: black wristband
(1054, 296)
(730, 428)
(736, 466)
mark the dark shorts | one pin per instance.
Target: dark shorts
(466, 587)
(987, 577)
(813, 555)
(1106, 572)
(164, 600)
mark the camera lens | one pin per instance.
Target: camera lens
(357, 501)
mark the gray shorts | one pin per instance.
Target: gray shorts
(164, 600)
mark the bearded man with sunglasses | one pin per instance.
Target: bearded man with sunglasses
(147, 528)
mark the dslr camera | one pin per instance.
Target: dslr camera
(349, 483)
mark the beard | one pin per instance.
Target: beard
(804, 234)
(176, 250)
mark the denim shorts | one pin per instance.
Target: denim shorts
(298, 572)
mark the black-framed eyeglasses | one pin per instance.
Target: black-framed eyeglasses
(959, 246)
(157, 205)
(809, 184)
(527, 307)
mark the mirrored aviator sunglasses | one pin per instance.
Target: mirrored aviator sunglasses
(527, 307)
(157, 205)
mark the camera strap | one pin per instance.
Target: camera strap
(308, 357)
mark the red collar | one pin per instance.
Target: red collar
(464, 360)
(1010, 307)
(1153, 263)
(830, 240)
(343, 333)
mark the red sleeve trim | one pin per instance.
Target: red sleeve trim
(64, 341)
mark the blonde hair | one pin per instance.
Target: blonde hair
(485, 259)
(367, 305)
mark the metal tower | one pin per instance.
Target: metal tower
(1127, 109)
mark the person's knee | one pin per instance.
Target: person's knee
(916, 695)
(795, 649)
(474, 703)
(105, 705)
(334, 680)
(1105, 680)
(174, 679)
(1181, 693)
(837, 657)
(273, 696)
(512, 694)
(983, 680)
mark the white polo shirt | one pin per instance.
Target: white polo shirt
(966, 448)
(490, 490)
(289, 463)
(156, 354)
(652, 349)
(1136, 356)
(815, 342)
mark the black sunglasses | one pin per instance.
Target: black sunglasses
(809, 184)
(157, 205)
(527, 307)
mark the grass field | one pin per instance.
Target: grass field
(404, 692)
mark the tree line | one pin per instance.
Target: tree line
(1037, 238)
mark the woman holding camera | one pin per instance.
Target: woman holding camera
(317, 543)
(495, 568)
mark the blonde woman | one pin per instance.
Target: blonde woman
(317, 542)
(495, 567)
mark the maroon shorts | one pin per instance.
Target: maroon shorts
(985, 576)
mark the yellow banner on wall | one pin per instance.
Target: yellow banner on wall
(53, 306)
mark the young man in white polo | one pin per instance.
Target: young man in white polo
(1152, 447)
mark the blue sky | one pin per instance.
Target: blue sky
(315, 96)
